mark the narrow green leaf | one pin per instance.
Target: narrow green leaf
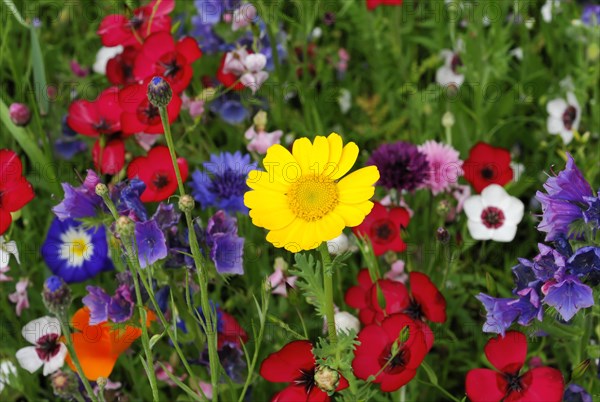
(430, 373)
(13, 9)
(39, 72)
(181, 385)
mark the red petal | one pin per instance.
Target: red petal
(343, 384)
(131, 125)
(131, 96)
(228, 79)
(391, 383)
(393, 326)
(108, 106)
(232, 331)
(545, 384)
(373, 341)
(113, 156)
(507, 353)
(355, 297)
(10, 166)
(400, 216)
(395, 294)
(432, 302)
(298, 394)
(364, 279)
(188, 47)
(113, 31)
(5, 220)
(158, 44)
(16, 194)
(143, 67)
(285, 365)
(164, 7)
(82, 117)
(367, 316)
(428, 334)
(485, 385)
(183, 168)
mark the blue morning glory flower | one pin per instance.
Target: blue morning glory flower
(75, 253)
(222, 184)
(151, 243)
(569, 296)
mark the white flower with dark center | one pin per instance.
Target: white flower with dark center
(564, 117)
(493, 214)
(48, 350)
(448, 74)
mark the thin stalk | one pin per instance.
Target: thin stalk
(328, 288)
(201, 269)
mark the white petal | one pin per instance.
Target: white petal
(29, 359)
(505, 233)
(567, 135)
(554, 124)
(514, 210)
(495, 195)
(57, 361)
(37, 328)
(103, 56)
(478, 230)
(556, 107)
(573, 101)
(473, 207)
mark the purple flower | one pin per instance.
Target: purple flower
(97, 302)
(211, 11)
(222, 184)
(591, 14)
(548, 263)
(166, 216)
(67, 146)
(569, 296)
(120, 307)
(126, 196)
(576, 393)
(151, 243)
(226, 248)
(591, 214)
(524, 275)
(562, 204)
(79, 202)
(500, 313)
(401, 166)
(229, 108)
(585, 261)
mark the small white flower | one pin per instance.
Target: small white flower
(234, 61)
(6, 249)
(447, 75)
(564, 117)
(548, 8)
(243, 17)
(7, 370)
(517, 53)
(338, 245)
(344, 322)
(103, 56)
(48, 351)
(494, 214)
(345, 100)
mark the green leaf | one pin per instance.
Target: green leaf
(13, 9)
(180, 384)
(430, 373)
(39, 72)
(310, 281)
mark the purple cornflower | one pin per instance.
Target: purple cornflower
(120, 308)
(226, 247)
(222, 184)
(151, 243)
(401, 166)
(562, 204)
(79, 202)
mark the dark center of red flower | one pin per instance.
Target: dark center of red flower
(171, 65)
(455, 62)
(414, 310)
(147, 113)
(383, 231)
(492, 217)
(103, 127)
(569, 116)
(394, 364)
(487, 173)
(47, 347)
(306, 380)
(513, 383)
(136, 21)
(160, 180)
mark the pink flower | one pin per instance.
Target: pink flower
(19, 297)
(243, 17)
(260, 141)
(161, 374)
(206, 388)
(461, 193)
(445, 166)
(248, 66)
(3, 277)
(396, 272)
(279, 280)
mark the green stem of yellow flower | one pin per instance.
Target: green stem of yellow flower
(328, 288)
(201, 269)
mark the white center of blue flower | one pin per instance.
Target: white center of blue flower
(76, 247)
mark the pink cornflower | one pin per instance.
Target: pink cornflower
(444, 164)
(19, 297)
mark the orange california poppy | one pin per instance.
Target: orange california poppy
(99, 346)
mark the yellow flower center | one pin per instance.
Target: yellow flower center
(312, 197)
(79, 247)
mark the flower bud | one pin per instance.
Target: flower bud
(448, 120)
(65, 384)
(580, 369)
(19, 114)
(338, 245)
(101, 189)
(346, 322)
(56, 295)
(260, 121)
(443, 207)
(186, 203)
(159, 92)
(125, 227)
(326, 379)
(442, 235)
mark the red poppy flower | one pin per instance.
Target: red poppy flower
(119, 69)
(487, 165)
(160, 55)
(507, 354)
(112, 158)
(156, 171)
(229, 80)
(231, 331)
(116, 29)
(139, 115)
(375, 352)
(382, 227)
(15, 190)
(372, 4)
(295, 364)
(94, 118)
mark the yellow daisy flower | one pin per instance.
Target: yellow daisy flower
(302, 198)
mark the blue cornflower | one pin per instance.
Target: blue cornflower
(151, 243)
(223, 183)
(562, 204)
(226, 247)
(75, 253)
(79, 202)
(229, 108)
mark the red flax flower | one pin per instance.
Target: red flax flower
(160, 55)
(373, 4)
(295, 364)
(507, 354)
(119, 69)
(394, 350)
(98, 117)
(382, 227)
(487, 165)
(156, 171)
(111, 159)
(117, 29)
(15, 190)
(139, 115)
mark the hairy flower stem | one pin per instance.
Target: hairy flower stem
(209, 315)
(328, 288)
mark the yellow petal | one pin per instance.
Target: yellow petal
(272, 219)
(335, 148)
(265, 199)
(349, 155)
(260, 180)
(302, 150)
(353, 214)
(319, 155)
(281, 166)
(358, 186)
(356, 195)
(331, 226)
(311, 238)
(288, 236)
